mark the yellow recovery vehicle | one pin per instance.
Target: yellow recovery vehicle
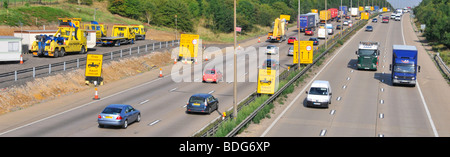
(140, 31)
(121, 34)
(68, 39)
(279, 31)
(100, 28)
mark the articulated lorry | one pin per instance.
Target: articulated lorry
(121, 34)
(368, 53)
(325, 15)
(404, 65)
(306, 22)
(69, 38)
(279, 30)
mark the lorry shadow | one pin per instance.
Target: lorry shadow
(384, 78)
(352, 64)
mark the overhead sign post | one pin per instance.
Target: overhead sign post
(93, 71)
(267, 82)
(189, 45)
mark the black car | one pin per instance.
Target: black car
(315, 41)
(338, 27)
(202, 103)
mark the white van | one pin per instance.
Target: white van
(319, 94)
(321, 33)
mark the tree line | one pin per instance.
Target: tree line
(218, 14)
(435, 14)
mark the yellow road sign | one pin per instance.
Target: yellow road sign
(189, 45)
(306, 52)
(94, 65)
(287, 17)
(266, 81)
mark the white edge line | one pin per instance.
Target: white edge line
(421, 96)
(306, 86)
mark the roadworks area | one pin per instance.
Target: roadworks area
(52, 87)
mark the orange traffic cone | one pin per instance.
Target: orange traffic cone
(160, 72)
(21, 59)
(96, 95)
(195, 60)
(206, 59)
(175, 61)
(259, 39)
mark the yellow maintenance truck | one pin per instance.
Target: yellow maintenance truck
(140, 31)
(69, 38)
(279, 30)
(121, 34)
(100, 28)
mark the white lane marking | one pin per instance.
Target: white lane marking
(348, 78)
(343, 87)
(332, 112)
(381, 101)
(382, 89)
(338, 98)
(129, 89)
(211, 92)
(380, 135)
(154, 122)
(381, 116)
(173, 89)
(421, 96)
(323, 132)
(144, 102)
(306, 86)
(427, 111)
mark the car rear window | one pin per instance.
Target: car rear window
(110, 110)
(195, 99)
(210, 72)
(292, 38)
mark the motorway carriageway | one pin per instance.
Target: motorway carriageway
(364, 103)
(160, 100)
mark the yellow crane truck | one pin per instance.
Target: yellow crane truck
(69, 38)
(100, 28)
(121, 34)
(279, 30)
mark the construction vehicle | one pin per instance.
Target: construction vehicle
(140, 31)
(121, 34)
(279, 30)
(100, 28)
(69, 38)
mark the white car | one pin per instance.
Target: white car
(345, 23)
(397, 18)
(319, 94)
(272, 50)
(291, 51)
(392, 16)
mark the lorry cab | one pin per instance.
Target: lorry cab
(319, 94)
(367, 54)
(404, 65)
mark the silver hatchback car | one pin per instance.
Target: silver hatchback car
(118, 115)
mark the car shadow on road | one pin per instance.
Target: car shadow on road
(352, 64)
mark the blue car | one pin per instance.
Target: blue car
(202, 103)
(118, 115)
(374, 20)
(369, 28)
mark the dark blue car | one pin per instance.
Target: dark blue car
(118, 115)
(202, 103)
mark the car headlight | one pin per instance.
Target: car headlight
(413, 78)
(395, 77)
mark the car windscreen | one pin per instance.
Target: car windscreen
(210, 72)
(404, 68)
(318, 91)
(270, 47)
(195, 99)
(111, 110)
(364, 52)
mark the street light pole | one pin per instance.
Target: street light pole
(298, 31)
(235, 67)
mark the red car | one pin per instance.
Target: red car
(291, 40)
(212, 75)
(309, 32)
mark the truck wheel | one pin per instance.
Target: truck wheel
(56, 54)
(62, 52)
(117, 43)
(83, 50)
